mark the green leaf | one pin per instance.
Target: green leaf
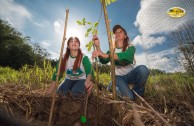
(89, 23)
(79, 22)
(108, 1)
(89, 29)
(94, 32)
(89, 45)
(95, 24)
(91, 42)
(89, 48)
(84, 21)
(86, 34)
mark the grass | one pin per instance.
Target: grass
(169, 85)
(8, 75)
(27, 75)
(157, 86)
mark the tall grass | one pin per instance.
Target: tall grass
(8, 75)
(28, 75)
(159, 85)
(169, 85)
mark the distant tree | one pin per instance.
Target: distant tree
(53, 62)
(39, 54)
(156, 72)
(16, 50)
(184, 38)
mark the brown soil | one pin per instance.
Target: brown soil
(32, 108)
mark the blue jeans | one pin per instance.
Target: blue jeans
(138, 77)
(76, 87)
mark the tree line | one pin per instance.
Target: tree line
(17, 50)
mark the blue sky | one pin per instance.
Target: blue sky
(144, 20)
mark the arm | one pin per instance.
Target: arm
(87, 65)
(105, 57)
(88, 69)
(128, 55)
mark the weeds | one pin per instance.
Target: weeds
(159, 85)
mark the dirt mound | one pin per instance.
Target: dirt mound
(22, 103)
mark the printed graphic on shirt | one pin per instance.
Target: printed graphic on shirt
(74, 75)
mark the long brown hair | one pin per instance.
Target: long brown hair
(126, 40)
(125, 43)
(66, 57)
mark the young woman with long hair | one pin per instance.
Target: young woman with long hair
(125, 70)
(77, 68)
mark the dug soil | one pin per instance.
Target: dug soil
(23, 106)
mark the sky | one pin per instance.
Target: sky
(145, 21)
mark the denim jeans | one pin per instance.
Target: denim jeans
(138, 77)
(76, 87)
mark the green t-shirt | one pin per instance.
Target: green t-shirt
(125, 62)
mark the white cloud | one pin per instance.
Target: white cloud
(148, 41)
(41, 24)
(160, 60)
(17, 15)
(14, 13)
(45, 43)
(165, 60)
(58, 26)
(141, 59)
(152, 19)
(54, 55)
(137, 40)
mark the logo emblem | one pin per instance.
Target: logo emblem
(176, 12)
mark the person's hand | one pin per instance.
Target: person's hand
(99, 53)
(96, 41)
(51, 88)
(95, 54)
(89, 86)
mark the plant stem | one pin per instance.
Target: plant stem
(61, 53)
(111, 50)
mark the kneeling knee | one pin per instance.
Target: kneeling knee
(143, 69)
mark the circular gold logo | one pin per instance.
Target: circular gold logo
(176, 12)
